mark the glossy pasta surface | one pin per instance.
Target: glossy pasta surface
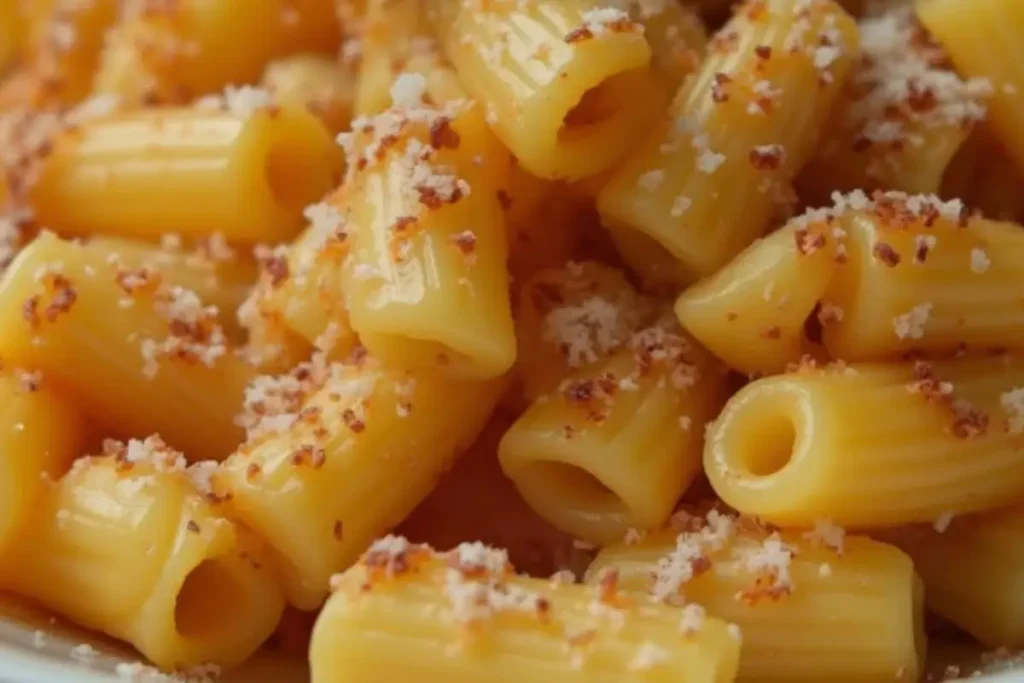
(516, 341)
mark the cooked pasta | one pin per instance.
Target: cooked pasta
(655, 300)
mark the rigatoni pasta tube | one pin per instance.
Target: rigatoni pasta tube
(919, 275)
(709, 178)
(103, 332)
(903, 115)
(125, 544)
(617, 443)
(463, 616)
(752, 312)
(981, 42)
(426, 282)
(316, 82)
(328, 468)
(247, 174)
(972, 573)
(942, 438)
(565, 82)
(173, 53)
(808, 612)
(392, 31)
(676, 36)
(41, 433)
(570, 317)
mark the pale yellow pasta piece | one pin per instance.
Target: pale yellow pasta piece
(677, 38)
(902, 117)
(214, 271)
(656, 267)
(984, 176)
(982, 42)
(570, 317)
(930, 440)
(807, 611)
(752, 312)
(617, 442)
(710, 177)
(566, 83)
(464, 617)
(126, 545)
(426, 282)
(392, 32)
(172, 53)
(919, 275)
(316, 82)
(345, 459)
(41, 433)
(972, 573)
(139, 356)
(245, 174)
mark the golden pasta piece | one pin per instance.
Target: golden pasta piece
(972, 573)
(981, 41)
(463, 616)
(618, 441)
(316, 82)
(919, 275)
(338, 454)
(709, 179)
(752, 312)
(170, 53)
(140, 356)
(785, 592)
(41, 433)
(566, 83)
(392, 32)
(934, 439)
(127, 545)
(902, 117)
(984, 176)
(677, 38)
(570, 317)
(246, 173)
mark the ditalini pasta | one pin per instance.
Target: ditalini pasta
(103, 332)
(127, 544)
(943, 438)
(564, 82)
(981, 44)
(972, 573)
(171, 52)
(280, 277)
(812, 606)
(712, 175)
(464, 616)
(338, 454)
(616, 442)
(41, 433)
(237, 165)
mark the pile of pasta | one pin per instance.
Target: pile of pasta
(527, 340)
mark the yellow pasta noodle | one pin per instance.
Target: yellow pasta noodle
(676, 36)
(127, 545)
(565, 82)
(317, 82)
(972, 572)
(140, 356)
(338, 454)
(981, 42)
(710, 177)
(617, 442)
(752, 312)
(41, 433)
(570, 317)
(468, 603)
(939, 439)
(392, 32)
(903, 115)
(427, 284)
(815, 606)
(919, 274)
(984, 176)
(246, 173)
(171, 53)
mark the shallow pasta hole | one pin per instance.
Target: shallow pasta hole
(573, 483)
(288, 175)
(770, 446)
(207, 603)
(598, 104)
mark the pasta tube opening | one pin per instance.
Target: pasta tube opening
(574, 486)
(599, 107)
(290, 176)
(772, 438)
(208, 602)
